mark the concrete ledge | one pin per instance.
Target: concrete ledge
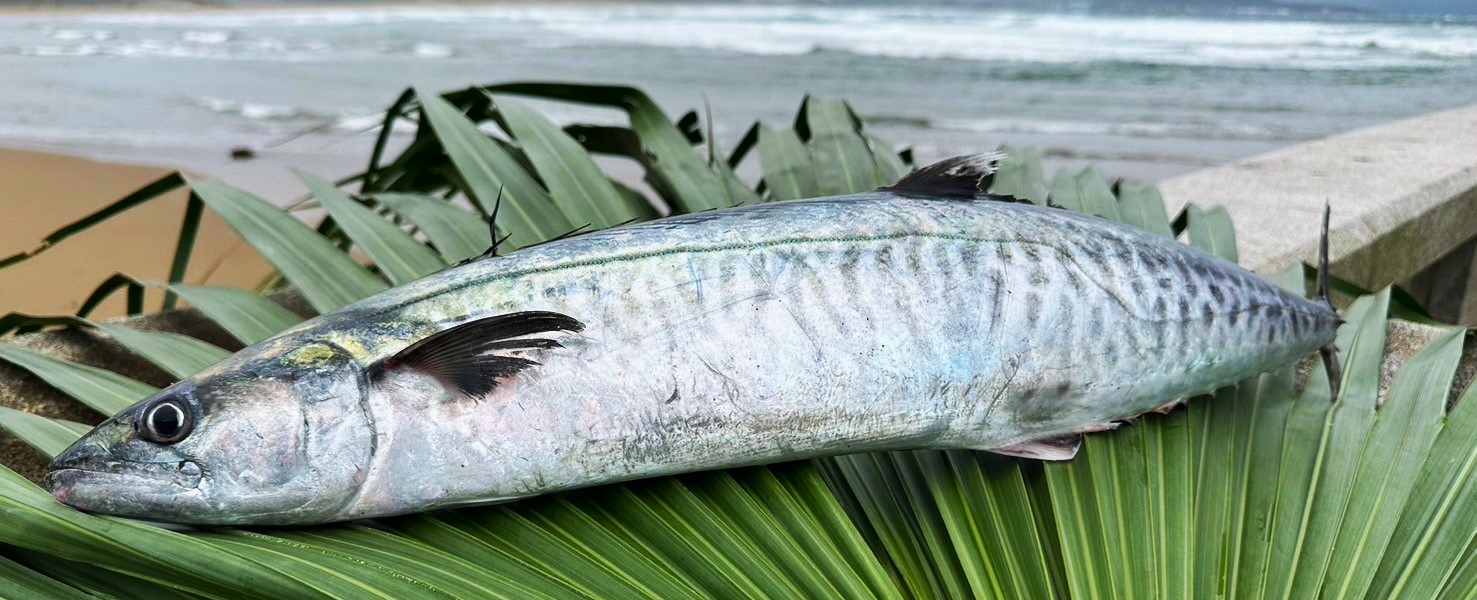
(1403, 194)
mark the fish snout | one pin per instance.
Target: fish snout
(60, 482)
(92, 476)
(67, 468)
(86, 452)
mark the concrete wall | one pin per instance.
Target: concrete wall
(1404, 195)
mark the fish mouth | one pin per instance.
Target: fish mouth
(185, 475)
(89, 478)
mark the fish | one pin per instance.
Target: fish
(925, 314)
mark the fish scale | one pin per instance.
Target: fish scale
(886, 320)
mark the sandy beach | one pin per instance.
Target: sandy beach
(40, 192)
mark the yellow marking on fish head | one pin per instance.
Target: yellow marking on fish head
(309, 356)
(352, 344)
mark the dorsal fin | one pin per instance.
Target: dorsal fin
(957, 177)
(463, 358)
(1052, 448)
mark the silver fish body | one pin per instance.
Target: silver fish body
(752, 335)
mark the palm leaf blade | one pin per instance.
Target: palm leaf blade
(399, 256)
(1210, 230)
(1400, 438)
(1439, 522)
(1214, 473)
(97, 581)
(688, 183)
(103, 391)
(844, 164)
(457, 234)
(1019, 175)
(1097, 197)
(31, 518)
(1259, 454)
(1142, 206)
(510, 545)
(454, 575)
(328, 278)
(1080, 528)
(21, 583)
(578, 186)
(490, 172)
(788, 170)
(47, 436)
(179, 355)
(1169, 454)
(1346, 425)
(248, 317)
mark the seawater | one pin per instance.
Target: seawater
(1143, 96)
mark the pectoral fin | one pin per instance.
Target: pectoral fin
(470, 358)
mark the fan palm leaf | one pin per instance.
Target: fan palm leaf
(1262, 490)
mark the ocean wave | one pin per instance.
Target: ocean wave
(250, 110)
(908, 32)
(285, 17)
(207, 37)
(289, 118)
(357, 122)
(430, 50)
(73, 50)
(150, 48)
(1222, 131)
(71, 35)
(226, 46)
(916, 33)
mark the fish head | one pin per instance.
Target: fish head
(273, 435)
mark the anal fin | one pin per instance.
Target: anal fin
(1104, 426)
(1168, 407)
(1051, 448)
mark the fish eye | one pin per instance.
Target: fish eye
(166, 422)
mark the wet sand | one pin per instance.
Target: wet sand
(41, 192)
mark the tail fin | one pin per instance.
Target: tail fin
(1329, 353)
(1323, 261)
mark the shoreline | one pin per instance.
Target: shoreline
(267, 175)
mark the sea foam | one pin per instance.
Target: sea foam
(905, 32)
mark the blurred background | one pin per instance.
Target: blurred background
(1143, 89)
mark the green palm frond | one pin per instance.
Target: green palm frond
(1265, 490)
